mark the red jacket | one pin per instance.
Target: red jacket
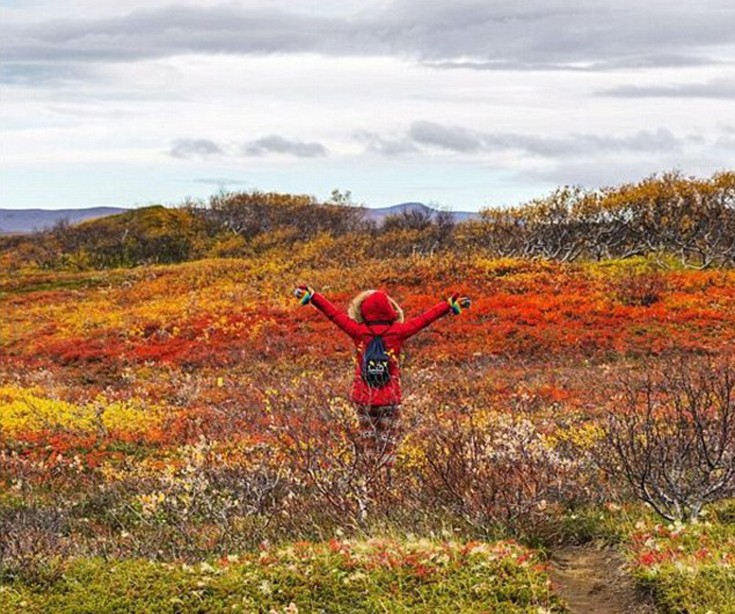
(380, 318)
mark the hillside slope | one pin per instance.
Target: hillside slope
(14, 221)
(29, 220)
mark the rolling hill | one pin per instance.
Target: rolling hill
(14, 221)
(18, 221)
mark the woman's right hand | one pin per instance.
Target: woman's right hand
(458, 303)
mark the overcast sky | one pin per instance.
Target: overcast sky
(462, 103)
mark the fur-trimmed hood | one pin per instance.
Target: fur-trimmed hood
(374, 306)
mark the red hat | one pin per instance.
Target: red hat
(378, 308)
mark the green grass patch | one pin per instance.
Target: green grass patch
(692, 589)
(339, 576)
(688, 567)
(49, 281)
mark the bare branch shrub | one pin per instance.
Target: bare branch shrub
(33, 543)
(490, 469)
(670, 435)
(332, 482)
(208, 503)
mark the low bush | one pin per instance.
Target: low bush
(687, 567)
(338, 576)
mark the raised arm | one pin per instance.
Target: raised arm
(414, 325)
(342, 320)
(453, 304)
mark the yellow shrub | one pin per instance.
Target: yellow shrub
(25, 409)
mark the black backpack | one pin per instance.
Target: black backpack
(375, 366)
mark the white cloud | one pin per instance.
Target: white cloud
(480, 100)
(723, 88)
(540, 34)
(463, 140)
(222, 182)
(195, 148)
(275, 144)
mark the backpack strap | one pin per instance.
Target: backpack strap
(373, 333)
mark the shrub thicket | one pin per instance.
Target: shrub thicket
(670, 218)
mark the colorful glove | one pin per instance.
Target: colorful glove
(304, 294)
(458, 303)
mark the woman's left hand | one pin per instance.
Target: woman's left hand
(304, 294)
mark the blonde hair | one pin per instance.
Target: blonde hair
(356, 314)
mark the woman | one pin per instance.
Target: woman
(376, 325)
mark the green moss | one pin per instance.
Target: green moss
(706, 588)
(337, 577)
(46, 282)
(687, 567)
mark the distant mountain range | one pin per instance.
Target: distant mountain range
(379, 213)
(17, 221)
(14, 221)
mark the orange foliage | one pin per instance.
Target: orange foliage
(232, 315)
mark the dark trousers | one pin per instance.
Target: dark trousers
(379, 432)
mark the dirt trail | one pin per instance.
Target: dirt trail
(593, 581)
